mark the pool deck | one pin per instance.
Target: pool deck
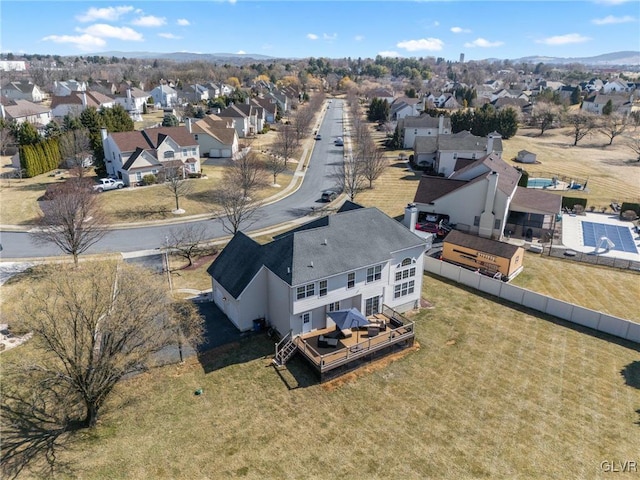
(572, 234)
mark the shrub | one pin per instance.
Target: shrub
(628, 206)
(628, 215)
(149, 179)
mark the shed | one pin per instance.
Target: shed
(525, 156)
(487, 256)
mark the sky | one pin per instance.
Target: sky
(301, 29)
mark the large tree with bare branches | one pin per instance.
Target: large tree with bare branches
(613, 125)
(373, 163)
(237, 209)
(582, 124)
(93, 325)
(285, 142)
(75, 149)
(72, 218)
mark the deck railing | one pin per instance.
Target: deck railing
(401, 330)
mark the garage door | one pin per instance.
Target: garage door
(214, 153)
(226, 153)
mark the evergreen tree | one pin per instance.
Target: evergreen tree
(170, 120)
(608, 108)
(576, 96)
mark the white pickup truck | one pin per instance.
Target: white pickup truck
(108, 184)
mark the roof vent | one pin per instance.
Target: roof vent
(325, 242)
(289, 270)
(311, 264)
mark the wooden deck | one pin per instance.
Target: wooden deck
(349, 352)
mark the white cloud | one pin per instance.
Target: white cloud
(83, 42)
(241, 52)
(389, 54)
(103, 30)
(332, 37)
(358, 38)
(436, 23)
(107, 13)
(482, 43)
(149, 21)
(610, 20)
(183, 22)
(312, 36)
(564, 39)
(460, 30)
(429, 44)
(170, 36)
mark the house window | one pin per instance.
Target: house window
(306, 318)
(323, 288)
(455, 156)
(372, 306)
(496, 224)
(168, 154)
(407, 261)
(185, 152)
(305, 291)
(403, 289)
(332, 307)
(476, 221)
(351, 279)
(194, 150)
(196, 136)
(374, 273)
(406, 273)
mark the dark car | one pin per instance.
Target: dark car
(328, 196)
(318, 137)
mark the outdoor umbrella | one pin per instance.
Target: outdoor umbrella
(351, 318)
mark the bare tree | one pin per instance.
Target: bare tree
(176, 182)
(187, 241)
(633, 142)
(276, 165)
(95, 325)
(72, 219)
(350, 178)
(285, 142)
(237, 210)
(613, 125)
(543, 116)
(247, 173)
(582, 123)
(75, 148)
(373, 163)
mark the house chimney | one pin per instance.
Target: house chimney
(129, 94)
(441, 124)
(410, 217)
(187, 122)
(84, 99)
(487, 217)
(103, 134)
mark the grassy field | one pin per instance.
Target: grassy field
(611, 171)
(490, 392)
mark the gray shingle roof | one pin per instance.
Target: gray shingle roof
(328, 246)
(485, 245)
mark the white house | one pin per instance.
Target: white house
(64, 88)
(164, 96)
(405, 107)
(76, 102)
(621, 103)
(22, 111)
(216, 137)
(130, 156)
(358, 257)
(423, 126)
(22, 91)
(462, 148)
(483, 197)
(133, 102)
(248, 119)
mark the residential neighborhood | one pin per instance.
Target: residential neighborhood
(293, 252)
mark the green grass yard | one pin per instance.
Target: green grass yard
(492, 392)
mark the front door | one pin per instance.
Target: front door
(306, 322)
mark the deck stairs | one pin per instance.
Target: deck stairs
(285, 349)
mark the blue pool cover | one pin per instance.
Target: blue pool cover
(621, 236)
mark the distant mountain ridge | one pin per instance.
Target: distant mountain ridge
(614, 58)
(186, 56)
(607, 59)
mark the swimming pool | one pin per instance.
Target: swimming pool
(539, 182)
(621, 236)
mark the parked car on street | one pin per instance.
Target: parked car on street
(329, 196)
(339, 142)
(318, 137)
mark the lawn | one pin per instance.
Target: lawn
(492, 391)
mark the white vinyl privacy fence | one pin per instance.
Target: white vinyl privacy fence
(602, 322)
